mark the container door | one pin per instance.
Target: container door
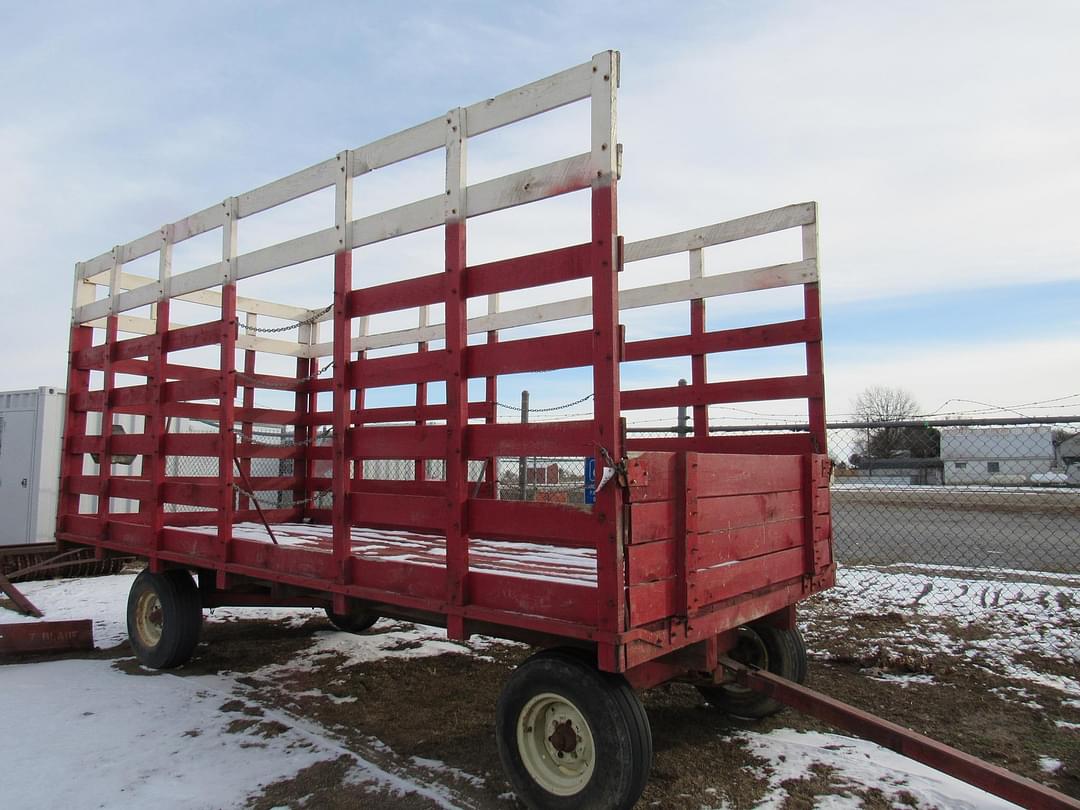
(16, 475)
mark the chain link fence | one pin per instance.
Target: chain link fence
(967, 532)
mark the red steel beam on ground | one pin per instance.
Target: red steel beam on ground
(36, 637)
(991, 778)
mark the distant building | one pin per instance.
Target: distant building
(1001, 455)
(1068, 458)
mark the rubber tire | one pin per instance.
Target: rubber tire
(620, 728)
(785, 653)
(356, 621)
(181, 618)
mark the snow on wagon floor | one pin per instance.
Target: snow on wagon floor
(303, 714)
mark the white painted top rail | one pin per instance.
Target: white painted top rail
(566, 87)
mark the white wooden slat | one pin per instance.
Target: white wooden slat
(418, 140)
(198, 223)
(228, 238)
(549, 180)
(532, 99)
(95, 266)
(134, 325)
(92, 311)
(780, 219)
(201, 278)
(761, 278)
(405, 219)
(143, 246)
(604, 79)
(810, 237)
(292, 187)
(285, 254)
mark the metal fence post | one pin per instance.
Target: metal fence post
(522, 460)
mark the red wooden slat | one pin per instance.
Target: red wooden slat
(727, 340)
(748, 474)
(208, 495)
(727, 581)
(411, 487)
(647, 562)
(142, 346)
(400, 369)
(550, 524)
(651, 477)
(401, 511)
(191, 337)
(569, 350)
(539, 439)
(767, 443)
(537, 269)
(652, 520)
(714, 548)
(193, 444)
(554, 600)
(405, 441)
(128, 395)
(396, 295)
(736, 511)
(769, 388)
(182, 390)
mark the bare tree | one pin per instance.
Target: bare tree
(882, 403)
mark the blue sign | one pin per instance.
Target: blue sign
(590, 479)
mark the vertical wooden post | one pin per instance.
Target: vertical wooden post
(304, 432)
(420, 464)
(457, 383)
(340, 516)
(815, 362)
(78, 383)
(227, 391)
(491, 400)
(108, 384)
(607, 351)
(156, 421)
(246, 426)
(697, 361)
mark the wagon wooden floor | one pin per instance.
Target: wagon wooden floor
(528, 560)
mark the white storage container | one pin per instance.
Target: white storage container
(31, 427)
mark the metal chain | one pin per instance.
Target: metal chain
(265, 502)
(547, 410)
(283, 386)
(269, 330)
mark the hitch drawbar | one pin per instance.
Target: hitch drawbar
(991, 778)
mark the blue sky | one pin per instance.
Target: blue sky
(940, 141)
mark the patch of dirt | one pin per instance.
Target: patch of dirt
(442, 708)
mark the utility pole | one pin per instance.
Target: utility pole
(522, 460)
(684, 416)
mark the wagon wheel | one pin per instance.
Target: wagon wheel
(357, 620)
(164, 617)
(571, 736)
(779, 651)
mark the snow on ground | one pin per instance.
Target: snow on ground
(861, 764)
(1031, 613)
(91, 736)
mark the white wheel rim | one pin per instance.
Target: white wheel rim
(556, 744)
(148, 619)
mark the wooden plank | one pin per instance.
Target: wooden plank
(548, 93)
(735, 511)
(547, 353)
(573, 438)
(18, 598)
(403, 441)
(648, 562)
(651, 477)
(533, 270)
(400, 369)
(651, 521)
(748, 474)
(288, 188)
(755, 443)
(779, 219)
(561, 601)
(767, 388)
(717, 547)
(427, 512)
(546, 523)
(727, 340)
(397, 295)
(537, 183)
(735, 578)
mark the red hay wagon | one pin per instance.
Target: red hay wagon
(696, 548)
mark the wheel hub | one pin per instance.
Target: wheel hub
(148, 618)
(556, 744)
